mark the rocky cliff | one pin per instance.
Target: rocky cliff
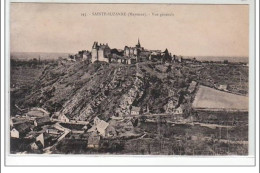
(82, 91)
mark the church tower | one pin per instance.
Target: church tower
(138, 44)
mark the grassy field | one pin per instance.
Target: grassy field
(209, 98)
(23, 76)
(165, 139)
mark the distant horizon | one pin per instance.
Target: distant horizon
(117, 48)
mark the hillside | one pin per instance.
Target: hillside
(82, 91)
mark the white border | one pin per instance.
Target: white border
(83, 160)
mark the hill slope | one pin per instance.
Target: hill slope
(82, 91)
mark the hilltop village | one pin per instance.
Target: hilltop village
(129, 55)
(131, 101)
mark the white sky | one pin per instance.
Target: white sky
(194, 30)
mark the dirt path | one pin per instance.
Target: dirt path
(66, 131)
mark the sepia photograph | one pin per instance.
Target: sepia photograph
(129, 79)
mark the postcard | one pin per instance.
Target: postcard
(130, 79)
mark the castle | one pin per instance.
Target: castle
(129, 55)
(100, 52)
(133, 51)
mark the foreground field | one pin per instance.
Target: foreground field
(165, 139)
(209, 98)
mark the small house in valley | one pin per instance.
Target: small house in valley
(135, 110)
(93, 140)
(41, 121)
(16, 121)
(223, 87)
(192, 87)
(101, 127)
(20, 130)
(37, 145)
(179, 110)
(63, 118)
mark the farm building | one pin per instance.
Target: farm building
(179, 110)
(110, 131)
(15, 121)
(52, 131)
(63, 118)
(223, 87)
(20, 130)
(96, 120)
(40, 138)
(41, 121)
(93, 140)
(135, 110)
(101, 127)
(37, 145)
(59, 116)
(192, 87)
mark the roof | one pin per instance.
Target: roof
(40, 109)
(36, 113)
(42, 119)
(136, 109)
(192, 86)
(104, 46)
(223, 85)
(93, 139)
(23, 127)
(38, 143)
(102, 125)
(93, 128)
(166, 51)
(95, 45)
(19, 120)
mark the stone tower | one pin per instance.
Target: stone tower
(94, 52)
(138, 44)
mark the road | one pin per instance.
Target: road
(66, 131)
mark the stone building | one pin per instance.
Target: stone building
(133, 52)
(100, 52)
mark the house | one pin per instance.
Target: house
(110, 131)
(59, 116)
(129, 126)
(179, 110)
(101, 127)
(192, 87)
(133, 51)
(40, 138)
(52, 131)
(223, 87)
(96, 120)
(93, 140)
(15, 121)
(83, 55)
(135, 110)
(63, 118)
(20, 130)
(37, 145)
(41, 121)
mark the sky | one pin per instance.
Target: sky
(189, 30)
